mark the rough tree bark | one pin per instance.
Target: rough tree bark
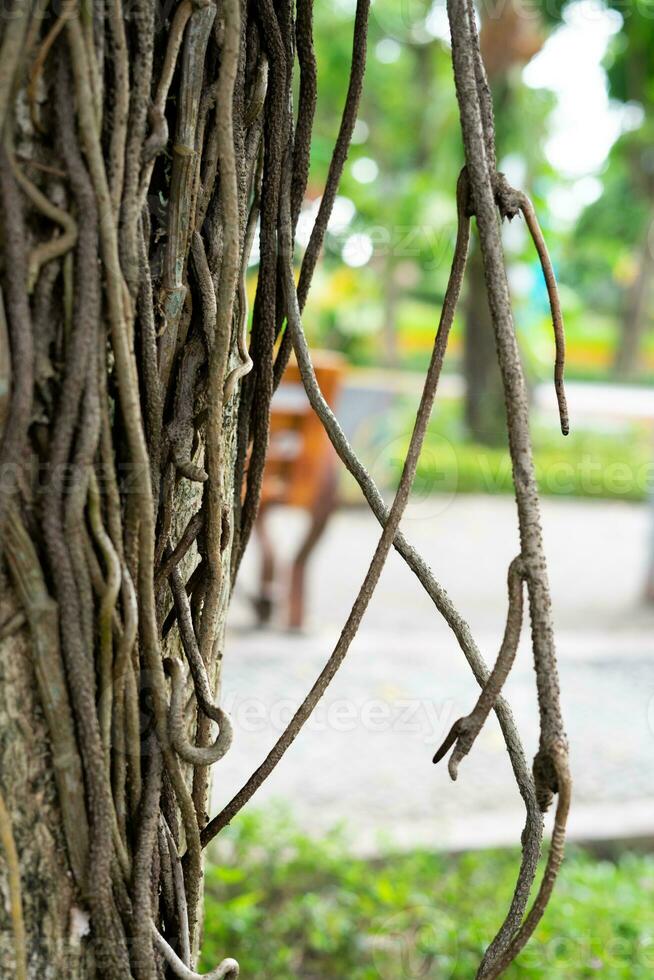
(131, 136)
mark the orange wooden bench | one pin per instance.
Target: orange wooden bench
(301, 471)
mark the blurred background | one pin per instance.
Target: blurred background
(573, 87)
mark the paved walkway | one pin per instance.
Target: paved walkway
(366, 756)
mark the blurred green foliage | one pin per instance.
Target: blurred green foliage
(604, 249)
(288, 907)
(398, 190)
(588, 463)
(408, 135)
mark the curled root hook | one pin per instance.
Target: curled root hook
(192, 471)
(228, 969)
(245, 365)
(465, 730)
(510, 203)
(193, 754)
(529, 213)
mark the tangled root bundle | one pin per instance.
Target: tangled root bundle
(140, 149)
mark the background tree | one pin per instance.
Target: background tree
(619, 227)
(379, 309)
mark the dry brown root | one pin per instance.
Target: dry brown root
(465, 730)
(178, 896)
(391, 525)
(493, 968)
(490, 192)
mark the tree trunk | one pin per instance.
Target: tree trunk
(484, 400)
(55, 920)
(128, 173)
(634, 321)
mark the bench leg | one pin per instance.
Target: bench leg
(319, 516)
(263, 602)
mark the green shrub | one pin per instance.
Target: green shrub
(290, 907)
(617, 464)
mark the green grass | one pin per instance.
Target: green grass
(587, 463)
(290, 907)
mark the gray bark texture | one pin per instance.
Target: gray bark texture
(54, 921)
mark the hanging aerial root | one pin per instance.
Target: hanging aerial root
(174, 557)
(527, 209)
(120, 108)
(149, 356)
(141, 952)
(391, 525)
(336, 165)
(107, 607)
(191, 649)
(173, 291)
(41, 58)
(158, 138)
(207, 291)
(18, 317)
(493, 968)
(260, 386)
(550, 770)
(181, 430)
(511, 202)
(307, 98)
(245, 365)
(465, 730)
(14, 30)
